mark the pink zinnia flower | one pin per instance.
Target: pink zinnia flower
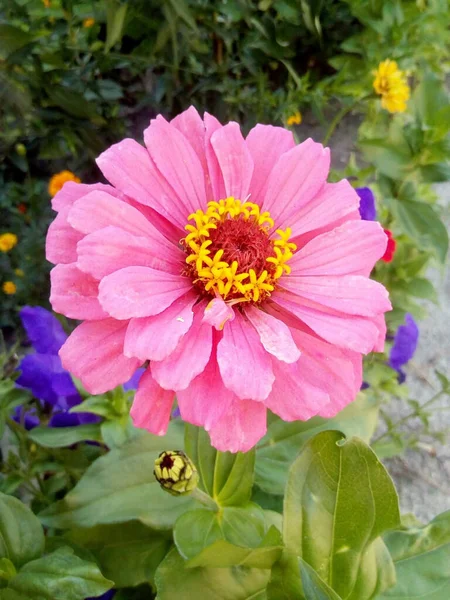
(228, 263)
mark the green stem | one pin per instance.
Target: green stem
(410, 415)
(338, 118)
(205, 499)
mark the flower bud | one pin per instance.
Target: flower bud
(20, 149)
(175, 472)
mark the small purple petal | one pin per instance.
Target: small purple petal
(133, 383)
(44, 331)
(106, 596)
(176, 413)
(29, 418)
(367, 208)
(66, 419)
(405, 344)
(45, 377)
(364, 385)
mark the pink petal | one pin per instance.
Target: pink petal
(108, 250)
(347, 331)
(266, 144)
(97, 210)
(234, 160)
(128, 166)
(351, 294)
(293, 397)
(214, 171)
(217, 313)
(275, 335)
(380, 323)
(351, 249)
(240, 428)
(72, 191)
(296, 178)
(335, 371)
(154, 338)
(62, 239)
(93, 353)
(244, 364)
(75, 294)
(190, 357)
(178, 164)
(152, 405)
(333, 202)
(206, 399)
(140, 292)
(191, 125)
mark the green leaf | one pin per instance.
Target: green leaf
(115, 21)
(60, 437)
(182, 10)
(389, 159)
(226, 477)
(128, 553)
(224, 554)
(422, 559)
(118, 431)
(283, 441)
(429, 99)
(21, 535)
(97, 405)
(197, 529)
(423, 225)
(12, 39)
(314, 588)
(60, 575)
(236, 583)
(73, 104)
(7, 569)
(339, 500)
(120, 486)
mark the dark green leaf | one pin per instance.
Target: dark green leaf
(422, 560)
(226, 477)
(120, 486)
(283, 441)
(236, 583)
(182, 10)
(11, 39)
(339, 500)
(60, 576)
(21, 535)
(59, 437)
(423, 225)
(128, 553)
(73, 103)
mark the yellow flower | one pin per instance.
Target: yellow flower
(46, 3)
(7, 241)
(295, 119)
(19, 272)
(391, 84)
(9, 288)
(89, 22)
(58, 180)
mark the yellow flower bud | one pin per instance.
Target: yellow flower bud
(20, 149)
(294, 119)
(175, 472)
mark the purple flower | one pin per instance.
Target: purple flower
(107, 596)
(405, 344)
(367, 208)
(132, 383)
(43, 374)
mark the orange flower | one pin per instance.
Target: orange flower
(89, 22)
(58, 180)
(22, 208)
